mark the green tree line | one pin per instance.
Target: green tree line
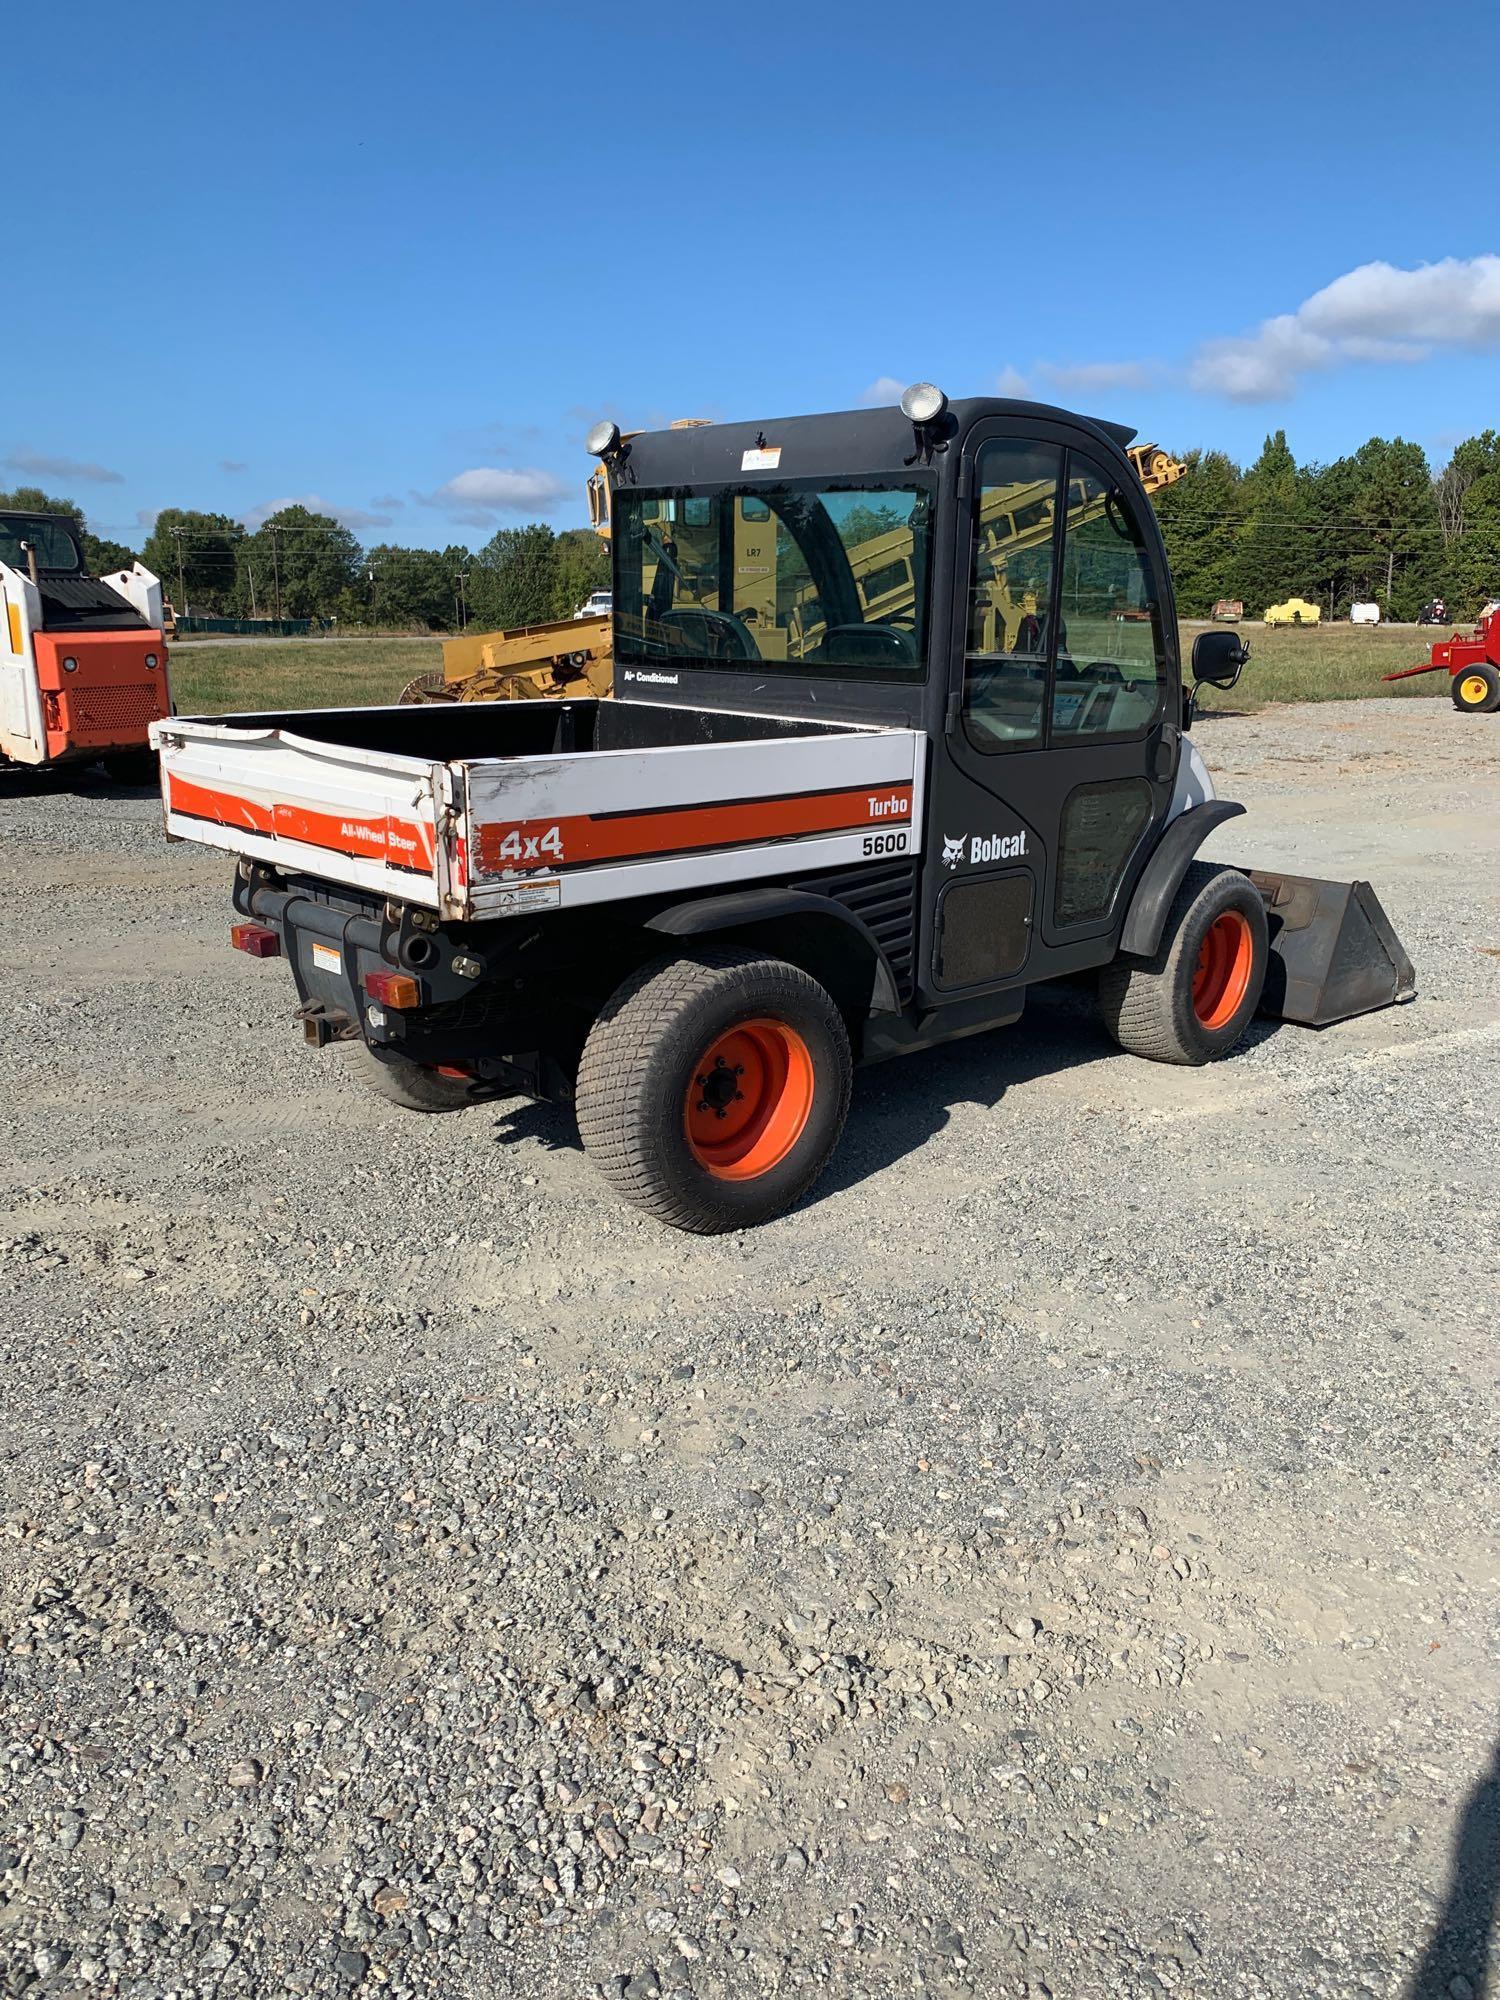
(299, 564)
(1378, 527)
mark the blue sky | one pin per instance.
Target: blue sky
(394, 259)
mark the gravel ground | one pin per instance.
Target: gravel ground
(1059, 1560)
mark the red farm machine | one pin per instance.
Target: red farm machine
(1472, 660)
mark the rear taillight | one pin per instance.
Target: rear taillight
(256, 939)
(393, 989)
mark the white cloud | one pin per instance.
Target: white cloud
(231, 465)
(1455, 303)
(146, 517)
(484, 492)
(1095, 378)
(353, 518)
(43, 467)
(1011, 382)
(883, 390)
(1375, 313)
(388, 501)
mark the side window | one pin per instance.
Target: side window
(1010, 592)
(1111, 665)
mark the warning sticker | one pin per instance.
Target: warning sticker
(761, 458)
(326, 958)
(518, 896)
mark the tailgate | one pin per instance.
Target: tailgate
(365, 818)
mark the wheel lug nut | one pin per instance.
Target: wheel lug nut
(739, 1097)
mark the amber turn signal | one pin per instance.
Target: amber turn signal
(393, 989)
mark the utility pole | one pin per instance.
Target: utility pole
(463, 611)
(370, 573)
(250, 568)
(276, 565)
(181, 586)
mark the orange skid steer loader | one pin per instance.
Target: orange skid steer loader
(83, 659)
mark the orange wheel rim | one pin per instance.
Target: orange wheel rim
(1222, 973)
(748, 1100)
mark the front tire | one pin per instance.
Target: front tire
(410, 1084)
(713, 1089)
(1193, 1000)
(1476, 690)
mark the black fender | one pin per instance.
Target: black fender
(799, 910)
(1163, 873)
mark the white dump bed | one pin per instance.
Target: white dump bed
(491, 836)
(360, 817)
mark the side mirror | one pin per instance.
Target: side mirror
(1219, 658)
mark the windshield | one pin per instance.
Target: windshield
(827, 580)
(52, 540)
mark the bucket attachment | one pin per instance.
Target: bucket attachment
(1333, 952)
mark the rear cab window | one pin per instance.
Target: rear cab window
(54, 542)
(814, 579)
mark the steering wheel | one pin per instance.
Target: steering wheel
(723, 636)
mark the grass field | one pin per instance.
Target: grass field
(1322, 663)
(210, 678)
(1332, 663)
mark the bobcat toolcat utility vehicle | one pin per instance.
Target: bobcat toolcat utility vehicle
(842, 807)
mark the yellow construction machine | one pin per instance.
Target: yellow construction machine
(574, 656)
(569, 657)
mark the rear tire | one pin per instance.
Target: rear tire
(713, 1089)
(410, 1084)
(1193, 1000)
(1476, 690)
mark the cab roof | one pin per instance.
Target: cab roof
(847, 444)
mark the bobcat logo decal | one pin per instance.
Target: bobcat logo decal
(981, 847)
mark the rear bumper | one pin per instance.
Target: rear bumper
(460, 1017)
(328, 949)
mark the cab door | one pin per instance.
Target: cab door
(1061, 733)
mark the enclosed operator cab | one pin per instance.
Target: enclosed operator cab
(994, 578)
(83, 659)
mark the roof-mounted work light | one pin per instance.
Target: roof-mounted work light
(925, 406)
(604, 439)
(923, 403)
